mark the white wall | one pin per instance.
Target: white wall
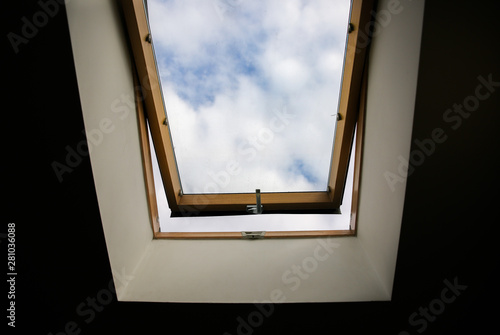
(394, 59)
(105, 83)
(350, 269)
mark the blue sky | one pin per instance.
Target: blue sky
(252, 84)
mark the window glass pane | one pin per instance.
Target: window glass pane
(276, 222)
(251, 90)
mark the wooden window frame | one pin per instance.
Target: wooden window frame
(350, 113)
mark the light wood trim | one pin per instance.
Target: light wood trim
(147, 163)
(237, 235)
(349, 98)
(135, 17)
(239, 201)
(308, 233)
(197, 235)
(358, 153)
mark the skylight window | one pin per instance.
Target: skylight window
(247, 95)
(251, 90)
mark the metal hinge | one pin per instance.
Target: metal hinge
(252, 235)
(257, 208)
(350, 28)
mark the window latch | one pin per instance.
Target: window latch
(258, 208)
(252, 235)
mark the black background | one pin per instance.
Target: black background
(449, 227)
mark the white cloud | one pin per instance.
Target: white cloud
(226, 71)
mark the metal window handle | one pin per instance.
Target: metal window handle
(258, 208)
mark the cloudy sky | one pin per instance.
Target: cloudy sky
(251, 89)
(271, 222)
